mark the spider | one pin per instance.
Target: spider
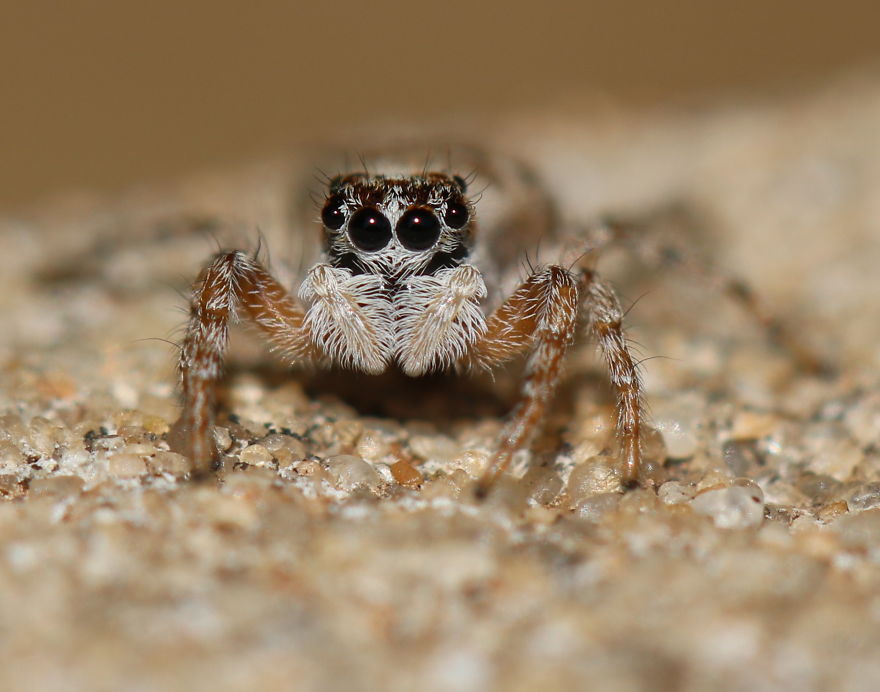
(408, 278)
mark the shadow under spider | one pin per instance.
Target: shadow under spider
(438, 398)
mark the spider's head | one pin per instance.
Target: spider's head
(397, 225)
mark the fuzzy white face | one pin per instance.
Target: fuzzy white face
(396, 285)
(397, 226)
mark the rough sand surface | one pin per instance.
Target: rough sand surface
(339, 547)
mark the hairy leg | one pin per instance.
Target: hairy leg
(542, 314)
(605, 317)
(232, 282)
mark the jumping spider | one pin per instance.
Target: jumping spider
(403, 281)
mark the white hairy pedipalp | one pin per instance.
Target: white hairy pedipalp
(349, 318)
(437, 318)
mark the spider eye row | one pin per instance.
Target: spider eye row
(370, 230)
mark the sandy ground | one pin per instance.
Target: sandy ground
(340, 547)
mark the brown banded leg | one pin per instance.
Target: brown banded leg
(605, 318)
(231, 282)
(541, 313)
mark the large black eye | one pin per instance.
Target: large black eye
(418, 229)
(369, 230)
(333, 213)
(456, 215)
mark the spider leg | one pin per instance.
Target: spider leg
(541, 313)
(231, 283)
(605, 318)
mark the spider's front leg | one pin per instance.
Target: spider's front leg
(231, 282)
(542, 313)
(344, 323)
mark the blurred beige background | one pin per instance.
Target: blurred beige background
(105, 94)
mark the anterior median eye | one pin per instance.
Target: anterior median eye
(369, 230)
(418, 229)
(333, 213)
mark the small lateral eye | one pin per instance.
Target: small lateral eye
(369, 230)
(456, 215)
(418, 229)
(461, 182)
(333, 213)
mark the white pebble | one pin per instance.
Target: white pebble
(674, 493)
(127, 465)
(348, 472)
(734, 507)
(677, 421)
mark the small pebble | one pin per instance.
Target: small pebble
(473, 462)
(284, 448)
(594, 476)
(543, 484)
(638, 501)
(678, 420)
(751, 425)
(127, 465)
(348, 472)
(139, 449)
(441, 488)
(860, 529)
(109, 442)
(597, 506)
(347, 432)
(740, 456)
(734, 507)
(10, 455)
(715, 477)
(170, 462)
(832, 511)
(256, 455)
(405, 474)
(222, 438)
(818, 487)
(864, 496)
(371, 445)
(675, 493)
(132, 433)
(44, 435)
(838, 459)
(437, 448)
(832, 451)
(308, 467)
(155, 425)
